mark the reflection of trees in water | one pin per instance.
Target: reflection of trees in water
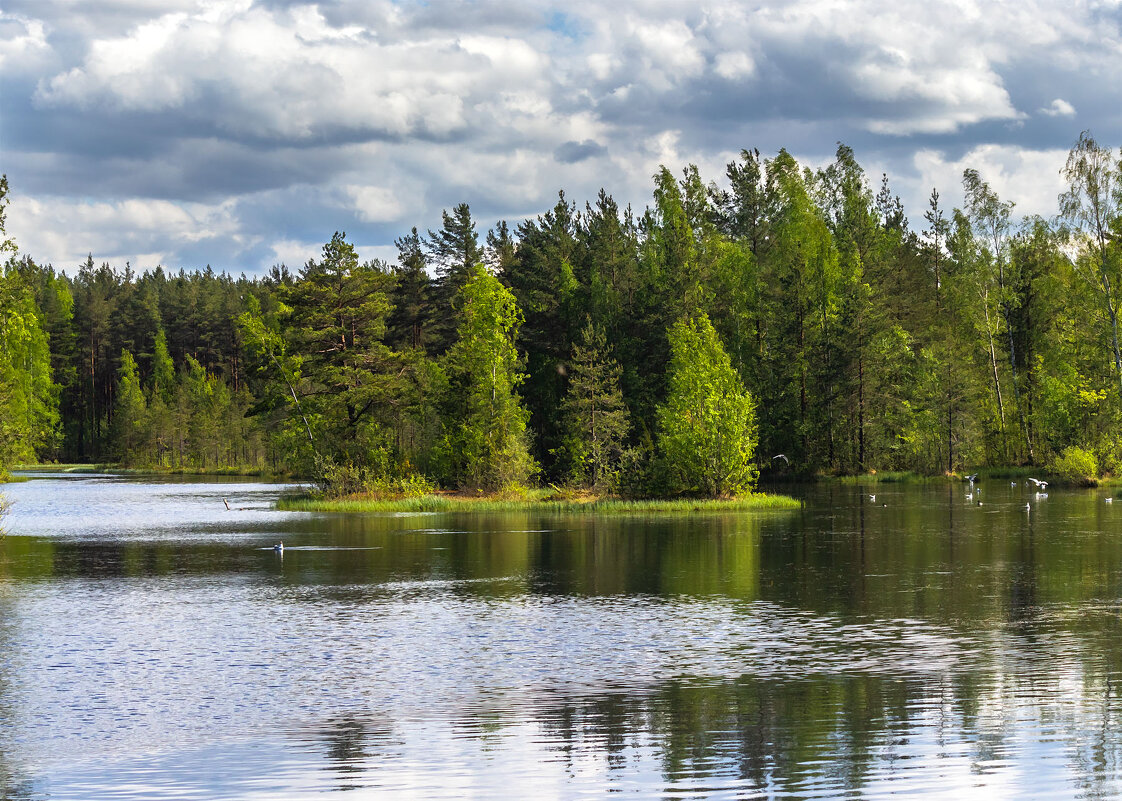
(1023, 579)
(842, 732)
(12, 785)
(354, 746)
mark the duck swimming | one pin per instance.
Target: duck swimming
(279, 547)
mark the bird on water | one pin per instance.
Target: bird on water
(279, 547)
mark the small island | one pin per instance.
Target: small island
(540, 501)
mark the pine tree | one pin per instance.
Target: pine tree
(351, 381)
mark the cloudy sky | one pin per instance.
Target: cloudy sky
(242, 133)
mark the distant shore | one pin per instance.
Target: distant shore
(147, 471)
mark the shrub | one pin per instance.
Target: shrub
(337, 481)
(1076, 465)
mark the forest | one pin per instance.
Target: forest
(776, 321)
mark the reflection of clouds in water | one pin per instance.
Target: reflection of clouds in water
(112, 508)
(269, 653)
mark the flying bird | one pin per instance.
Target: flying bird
(1039, 484)
(782, 456)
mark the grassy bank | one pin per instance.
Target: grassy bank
(591, 505)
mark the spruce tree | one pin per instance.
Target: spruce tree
(453, 251)
(408, 325)
(596, 414)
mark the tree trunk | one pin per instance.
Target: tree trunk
(861, 411)
(996, 383)
(1016, 389)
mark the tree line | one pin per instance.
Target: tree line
(778, 310)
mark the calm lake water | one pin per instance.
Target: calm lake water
(152, 645)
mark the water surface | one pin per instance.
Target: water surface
(153, 645)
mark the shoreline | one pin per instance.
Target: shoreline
(109, 467)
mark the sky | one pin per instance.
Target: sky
(244, 133)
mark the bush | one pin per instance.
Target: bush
(1108, 454)
(1076, 465)
(337, 481)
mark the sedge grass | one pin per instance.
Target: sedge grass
(885, 477)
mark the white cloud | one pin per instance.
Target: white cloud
(734, 65)
(1029, 178)
(23, 44)
(64, 231)
(375, 203)
(291, 75)
(377, 113)
(1059, 108)
(293, 254)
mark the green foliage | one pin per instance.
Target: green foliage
(163, 370)
(129, 413)
(338, 481)
(707, 428)
(1076, 465)
(486, 445)
(862, 344)
(29, 417)
(454, 252)
(323, 349)
(596, 414)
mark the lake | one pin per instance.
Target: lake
(153, 645)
